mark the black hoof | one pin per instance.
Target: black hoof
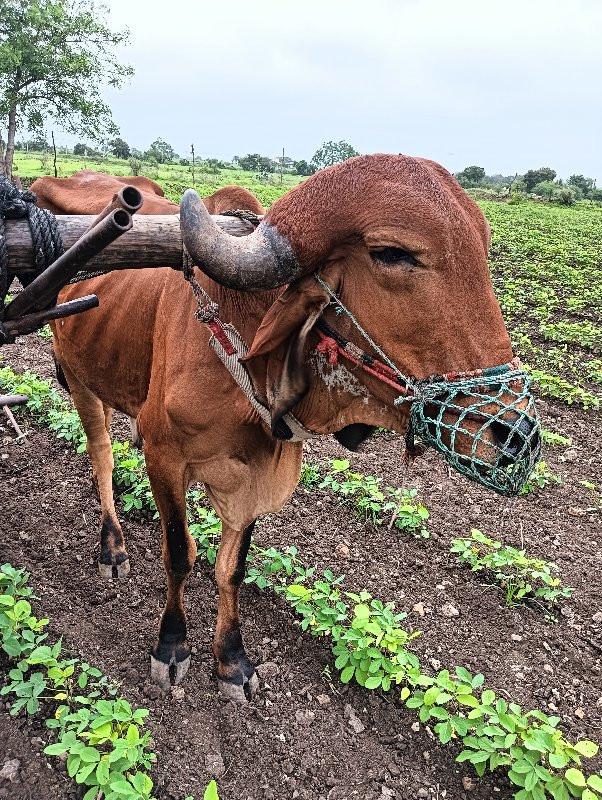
(115, 570)
(171, 674)
(239, 692)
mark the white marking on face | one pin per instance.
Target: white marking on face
(337, 377)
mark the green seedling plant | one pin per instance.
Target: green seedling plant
(273, 569)
(540, 478)
(210, 792)
(45, 332)
(21, 632)
(373, 650)
(129, 473)
(584, 333)
(369, 644)
(495, 733)
(554, 439)
(310, 475)
(409, 514)
(519, 576)
(99, 733)
(559, 388)
(596, 494)
(104, 748)
(374, 504)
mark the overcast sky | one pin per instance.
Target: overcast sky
(508, 85)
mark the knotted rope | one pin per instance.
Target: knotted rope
(47, 242)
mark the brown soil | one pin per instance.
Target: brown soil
(294, 740)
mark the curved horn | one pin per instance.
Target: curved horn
(262, 260)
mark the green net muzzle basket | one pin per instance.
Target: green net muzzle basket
(483, 422)
(485, 425)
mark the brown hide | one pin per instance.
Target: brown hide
(231, 198)
(88, 192)
(377, 198)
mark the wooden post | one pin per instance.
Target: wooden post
(54, 151)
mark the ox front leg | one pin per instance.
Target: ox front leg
(236, 675)
(170, 658)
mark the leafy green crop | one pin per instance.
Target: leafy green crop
(539, 478)
(371, 502)
(496, 734)
(99, 732)
(519, 576)
(546, 265)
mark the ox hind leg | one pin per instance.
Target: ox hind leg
(96, 420)
(171, 654)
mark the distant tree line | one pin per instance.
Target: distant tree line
(161, 152)
(541, 182)
(328, 154)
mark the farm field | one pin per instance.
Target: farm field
(174, 179)
(307, 735)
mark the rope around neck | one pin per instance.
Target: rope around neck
(336, 301)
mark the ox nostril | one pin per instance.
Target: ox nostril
(513, 437)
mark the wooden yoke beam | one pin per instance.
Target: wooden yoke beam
(153, 241)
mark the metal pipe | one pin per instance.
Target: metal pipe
(13, 399)
(31, 322)
(46, 286)
(129, 198)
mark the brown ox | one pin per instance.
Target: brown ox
(405, 249)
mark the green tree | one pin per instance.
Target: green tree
(250, 162)
(555, 192)
(55, 55)
(266, 164)
(596, 195)
(79, 149)
(37, 143)
(471, 176)
(535, 176)
(332, 153)
(120, 148)
(303, 168)
(582, 183)
(161, 152)
(135, 165)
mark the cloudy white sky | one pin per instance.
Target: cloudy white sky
(506, 85)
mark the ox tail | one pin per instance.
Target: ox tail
(60, 375)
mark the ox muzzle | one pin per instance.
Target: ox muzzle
(485, 426)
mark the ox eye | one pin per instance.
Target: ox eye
(393, 256)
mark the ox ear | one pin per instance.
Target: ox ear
(276, 361)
